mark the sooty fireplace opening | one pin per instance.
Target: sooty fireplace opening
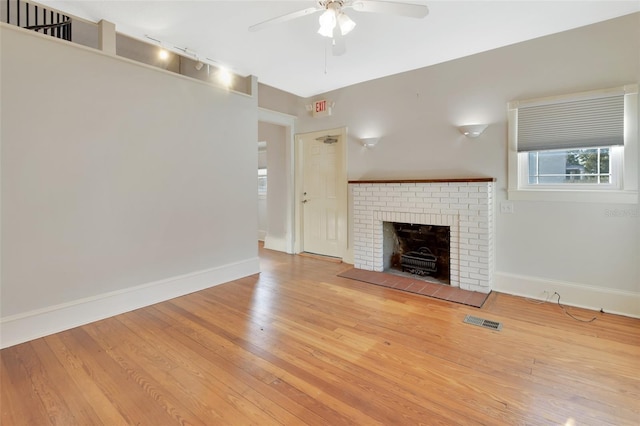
(421, 251)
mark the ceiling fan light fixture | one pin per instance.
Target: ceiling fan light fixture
(327, 22)
(345, 23)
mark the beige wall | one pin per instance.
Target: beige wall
(416, 114)
(278, 100)
(116, 175)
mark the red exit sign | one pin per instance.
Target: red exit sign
(321, 108)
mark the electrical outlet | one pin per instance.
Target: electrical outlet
(506, 207)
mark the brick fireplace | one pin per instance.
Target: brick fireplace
(466, 206)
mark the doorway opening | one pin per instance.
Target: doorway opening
(322, 206)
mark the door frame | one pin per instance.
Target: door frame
(288, 122)
(342, 188)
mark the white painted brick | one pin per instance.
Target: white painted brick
(479, 277)
(468, 188)
(479, 254)
(477, 230)
(467, 224)
(479, 243)
(470, 269)
(440, 206)
(457, 207)
(469, 281)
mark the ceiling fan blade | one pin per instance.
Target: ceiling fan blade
(409, 10)
(289, 16)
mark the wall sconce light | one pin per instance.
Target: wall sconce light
(369, 142)
(473, 130)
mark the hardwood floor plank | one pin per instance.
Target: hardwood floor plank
(300, 379)
(20, 403)
(54, 385)
(244, 363)
(155, 376)
(296, 344)
(84, 383)
(135, 404)
(217, 378)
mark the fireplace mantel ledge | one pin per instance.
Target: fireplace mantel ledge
(454, 180)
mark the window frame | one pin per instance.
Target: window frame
(624, 190)
(616, 154)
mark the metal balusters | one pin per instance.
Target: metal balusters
(26, 15)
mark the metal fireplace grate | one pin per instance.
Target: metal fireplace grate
(493, 325)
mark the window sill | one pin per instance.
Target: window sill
(612, 197)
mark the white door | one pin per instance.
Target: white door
(323, 194)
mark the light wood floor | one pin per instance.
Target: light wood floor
(299, 345)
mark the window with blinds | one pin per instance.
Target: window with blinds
(574, 142)
(584, 123)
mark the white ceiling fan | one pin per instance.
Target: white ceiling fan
(335, 24)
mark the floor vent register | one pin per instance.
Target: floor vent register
(481, 322)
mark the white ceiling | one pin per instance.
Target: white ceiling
(293, 57)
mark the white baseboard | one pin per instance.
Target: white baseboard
(583, 296)
(31, 325)
(262, 235)
(277, 244)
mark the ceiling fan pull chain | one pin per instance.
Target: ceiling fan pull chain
(325, 58)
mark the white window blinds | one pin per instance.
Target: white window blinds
(572, 124)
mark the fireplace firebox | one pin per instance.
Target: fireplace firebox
(419, 250)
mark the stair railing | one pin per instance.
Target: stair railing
(36, 18)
